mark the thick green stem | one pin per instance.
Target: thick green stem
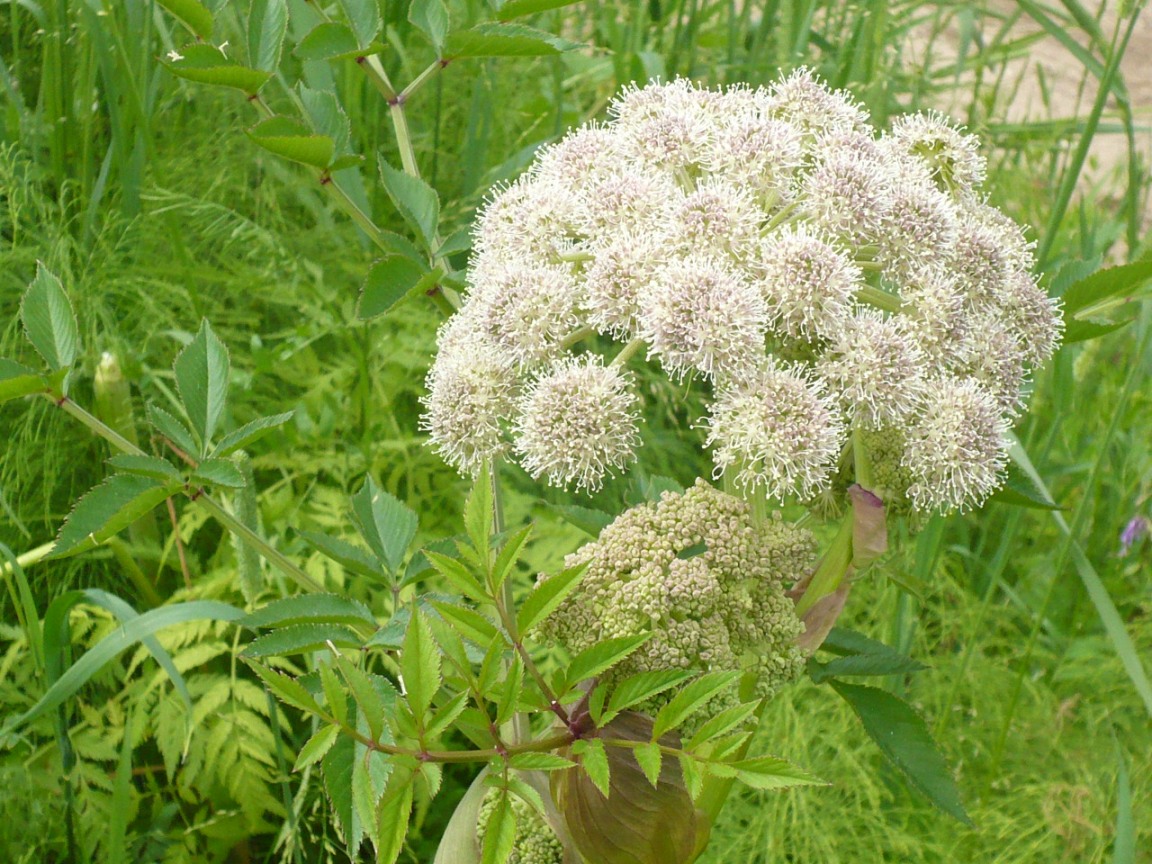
(776, 221)
(32, 556)
(879, 298)
(353, 209)
(506, 603)
(621, 359)
(863, 463)
(420, 80)
(542, 745)
(577, 336)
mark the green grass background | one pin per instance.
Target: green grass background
(144, 194)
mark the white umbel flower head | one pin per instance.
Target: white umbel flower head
(1033, 316)
(705, 316)
(848, 190)
(581, 157)
(957, 449)
(577, 423)
(951, 156)
(804, 102)
(992, 355)
(760, 155)
(919, 228)
(616, 279)
(527, 311)
(528, 222)
(808, 283)
(672, 126)
(472, 388)
(876, 367)
(715, 216)
(779, 431)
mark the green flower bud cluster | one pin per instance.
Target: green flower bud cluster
(704, 577)
(536, 842)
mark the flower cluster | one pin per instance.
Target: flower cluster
(820, 279)
(700, 574)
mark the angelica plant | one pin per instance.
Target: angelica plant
(858, 321)
(862, 323)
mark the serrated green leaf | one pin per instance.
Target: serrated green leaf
(638, 688)
(458, 242)
(691, 698)
(337, 767)
(420, 664)
(368, 698)
(509, 556)
(417, 202)
(904, 738)
(350, 557)
(468, 622)
(595, 659)
(386, 523)
(501, 835)
(765, 772)
(649, 758)
(1085, 298)
(17, 380)
(333, 41)
(1082, 330)
(193, 14)
(505, 40)
(865, 665)
(844, 641)
(316, 747)
(459, 575)
(286, 689)
(334, 696)
(49, 321)
(590, 521)
(202, 371)
(478, 511)
(206, 64)
(108, 509)
(392, 817)
(430, 17)
(509, 698)
(364, 19)
(172, 429)
(146, 466)
(539, 762)
(391, 281)
(218, 472)
(594, 762)
(291, 139)
(547, 596)
(860, 656)
(311, 609)
(370, 774)
(300, 639)
(1019, 491)
(693, 776)
(446, 715)
(723, 723)
(267, 27)
(250, 432)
